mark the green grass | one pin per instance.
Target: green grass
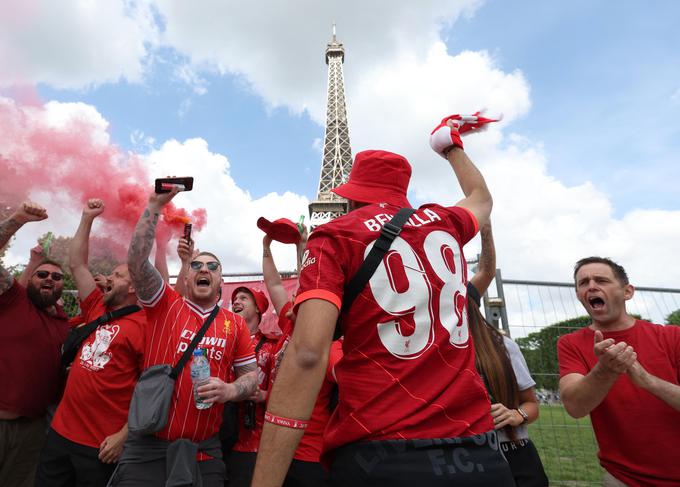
(567, 448)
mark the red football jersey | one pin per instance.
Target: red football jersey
(408, 368)
(630, 416)
(173, 322)
(309, 448)
(249, 439)
(102, 376)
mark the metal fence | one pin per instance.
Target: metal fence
(567, 446)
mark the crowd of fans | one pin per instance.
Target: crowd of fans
(385, 372)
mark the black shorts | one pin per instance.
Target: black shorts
(65, 463)
(525, 464)
(305, 474)
(473, 461)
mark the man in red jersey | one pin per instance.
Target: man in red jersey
(188, 446)
(250, 304)
(90, 426)
(32, 330)
(412, 409)
(625, 373)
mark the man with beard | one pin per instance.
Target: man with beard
(90, 426)
(32, 329)
(625, 373)
(190, 435)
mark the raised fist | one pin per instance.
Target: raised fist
(447, 134)
(30, 212)
(94, 208)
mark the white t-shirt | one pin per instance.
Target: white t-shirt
(524, 381)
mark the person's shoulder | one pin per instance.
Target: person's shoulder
(511, 345)
(576, 335)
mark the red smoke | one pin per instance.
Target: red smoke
(70, 157)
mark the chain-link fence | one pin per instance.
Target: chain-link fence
(535, 314)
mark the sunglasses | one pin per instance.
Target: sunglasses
(56, 276)
(197, 265)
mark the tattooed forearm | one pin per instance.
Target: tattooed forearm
(246, 384)
(7, 230)
(145, 277)
(266, 252)
(487, 259)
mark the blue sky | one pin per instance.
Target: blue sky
(586, 160)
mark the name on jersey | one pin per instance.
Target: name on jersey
(376, 223)
(213, 346)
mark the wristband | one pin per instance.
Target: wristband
(287, 422)
(523, 413)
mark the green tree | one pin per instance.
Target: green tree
(540, 350)
(673, 318)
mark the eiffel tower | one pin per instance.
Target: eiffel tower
(337, 152)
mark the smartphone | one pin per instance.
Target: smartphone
(164, 185)
(187, 232)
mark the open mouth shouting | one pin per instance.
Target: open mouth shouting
(203, 282)
(237, 307)
(596, 303)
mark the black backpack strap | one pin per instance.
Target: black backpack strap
(260, 343)
(177, 369)
(78, 335)
(389, 232)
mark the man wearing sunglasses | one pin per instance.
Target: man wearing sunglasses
(85, 439)
(32, 329)
(173, 321)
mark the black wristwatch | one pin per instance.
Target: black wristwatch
(525, 416)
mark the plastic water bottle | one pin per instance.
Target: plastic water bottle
(200, 373)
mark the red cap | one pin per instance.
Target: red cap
(377, 176)
(261, 301)
(281, 230)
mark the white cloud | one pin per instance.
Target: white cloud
(231, 231)
(74, 44)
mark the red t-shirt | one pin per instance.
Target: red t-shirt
(310, 446)
(102, 376)
(249, 439)
(173, 322)
(408, 368)
(637, 433)
(30, 354)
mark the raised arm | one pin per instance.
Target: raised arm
(79, 249)
(27, 212)
(300, 248)
(160, 262)
(486, 267)
(37, 255)
(185, 251)
(477, 197)
(272, 278)
(145, 277)
(445, 140)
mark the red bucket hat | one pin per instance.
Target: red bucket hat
(281, 230)
(261, 301)
(377, 176)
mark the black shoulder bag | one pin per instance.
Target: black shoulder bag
(152, 396)
(389, 232)
(77, 336)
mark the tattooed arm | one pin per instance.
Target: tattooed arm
(146, 279)
(27, 212)
(486, 268)
(216, 390)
